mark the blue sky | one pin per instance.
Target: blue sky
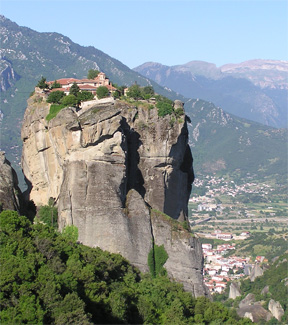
(169, 32)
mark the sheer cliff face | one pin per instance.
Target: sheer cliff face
(106, 167)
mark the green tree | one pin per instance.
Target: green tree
(71, 310)
(69, 100)
(42, 83)
(49, 214)
(164, 109)
(71, 233)
(55, 97)
(116, 94)
(102, 92)
(74, 89)
(92, 74)
(134, 92)
(121, 90)
(85, 95)
(55, 84)
(147, 92)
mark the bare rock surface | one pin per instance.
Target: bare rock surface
(255, 312)
(234, 290)
(247, 301)
(10, 194)
(255, 272)
(276, 309)
(114, 170)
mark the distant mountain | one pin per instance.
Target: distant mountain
(227, 144)
(256, 89)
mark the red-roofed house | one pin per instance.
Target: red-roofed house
(84, 84)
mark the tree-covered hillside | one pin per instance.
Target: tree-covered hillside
(228, 144)
(48, 278)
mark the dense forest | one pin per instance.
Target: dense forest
(49, 278)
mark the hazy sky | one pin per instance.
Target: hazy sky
(169, 32)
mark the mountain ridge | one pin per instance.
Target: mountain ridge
(254, 89)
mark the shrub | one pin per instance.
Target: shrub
(102, 92)
(156, 259)
(85, 95)
(148, 90)
(134, 92)
(179, 112)
(71, 233)
(116, 94)
(69, 100)
(49, 215)
(55, 97)
(164, 109)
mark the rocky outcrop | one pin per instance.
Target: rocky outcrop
(252, 309)
(276, 309)
(234, 290)
(255, 312)
(10, 194)
(8, 76)
(122, 175)
(255, 272)
(247, 301)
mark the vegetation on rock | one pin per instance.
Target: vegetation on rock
(156, 259)
(55, 97)
(54, 110)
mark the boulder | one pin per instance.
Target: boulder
(255, 272)
(247, 301)
(276, 309)
(255, 312)
(234, 290)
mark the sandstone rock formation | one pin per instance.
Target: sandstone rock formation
(234, 290)
(10, 194)
(250, 308)
(107, 167)
(255, 272)
(247, 301)
(276, 309)
(255, 312)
